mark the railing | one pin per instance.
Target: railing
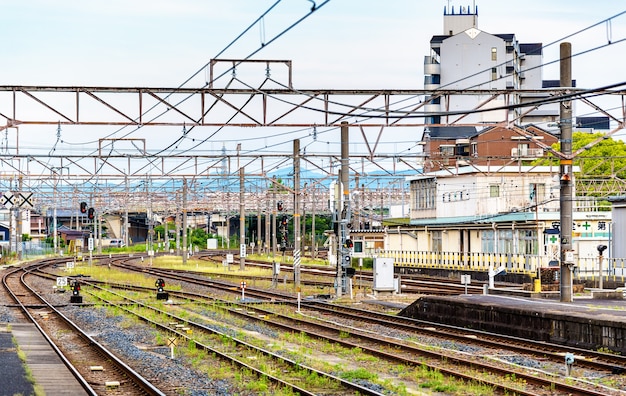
(513, 263)
(527, 152)
(585, 268)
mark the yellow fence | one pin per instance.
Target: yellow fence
(585, 268)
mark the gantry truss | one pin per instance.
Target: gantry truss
(233, 102)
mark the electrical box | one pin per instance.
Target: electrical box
(383, 274)
(211, 243)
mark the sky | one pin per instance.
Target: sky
(365, 44)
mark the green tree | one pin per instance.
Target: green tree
(604, 159)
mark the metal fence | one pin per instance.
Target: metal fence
(585, 268)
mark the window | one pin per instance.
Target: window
(537, 191)
(487, 239)
(494, 74)
(528, 242)
(424, 192)
(505, 241)
(494, 190)
(494, 53)
(463, 149)
(437, 243)
(447, 150)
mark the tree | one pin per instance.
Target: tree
(603, 161)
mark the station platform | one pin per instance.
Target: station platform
(47, 371)
(590, 323)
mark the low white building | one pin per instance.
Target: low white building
(510, 211)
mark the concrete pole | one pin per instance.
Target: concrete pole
(184, 221)
(274, 213)
(242, 220)
(565, 172)
(268, 227)
(166, 236)
(313, 238)
(296, 214)
(259, 237)
(344, 214)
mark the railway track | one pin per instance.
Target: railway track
(377, 345)
(94, 367)
(332, 323)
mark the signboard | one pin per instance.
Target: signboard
(242, 250)
(90, 244)
(69, 265)
(16, 200)
(466, 279)
(230, 258)
(61, 281)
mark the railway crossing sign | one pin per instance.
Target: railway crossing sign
(16, 200)
(172, 342)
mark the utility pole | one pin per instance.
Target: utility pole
(296, 214)
(259, 237)
(268, 227)
(343, 216)
(313, 238)
(184, 221)
(274, 213)
(565, 173)
(242, 221)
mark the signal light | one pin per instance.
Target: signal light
(75, 288)
(91, 213)
(283, 221)
(83, 207)
(280, 206)
(160, 284)
(349, 244)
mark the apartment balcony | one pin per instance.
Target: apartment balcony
(527, 153)
(431, 66)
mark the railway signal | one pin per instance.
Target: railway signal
(76, 298)
(91, 213)
(161, 293)
(83, 207)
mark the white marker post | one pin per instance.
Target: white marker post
(243, 290)
(172, 341)
(466, 280)
(298, 311)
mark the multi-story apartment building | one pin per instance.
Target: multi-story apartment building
(464, 58)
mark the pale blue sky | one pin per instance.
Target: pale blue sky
(345, 44)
